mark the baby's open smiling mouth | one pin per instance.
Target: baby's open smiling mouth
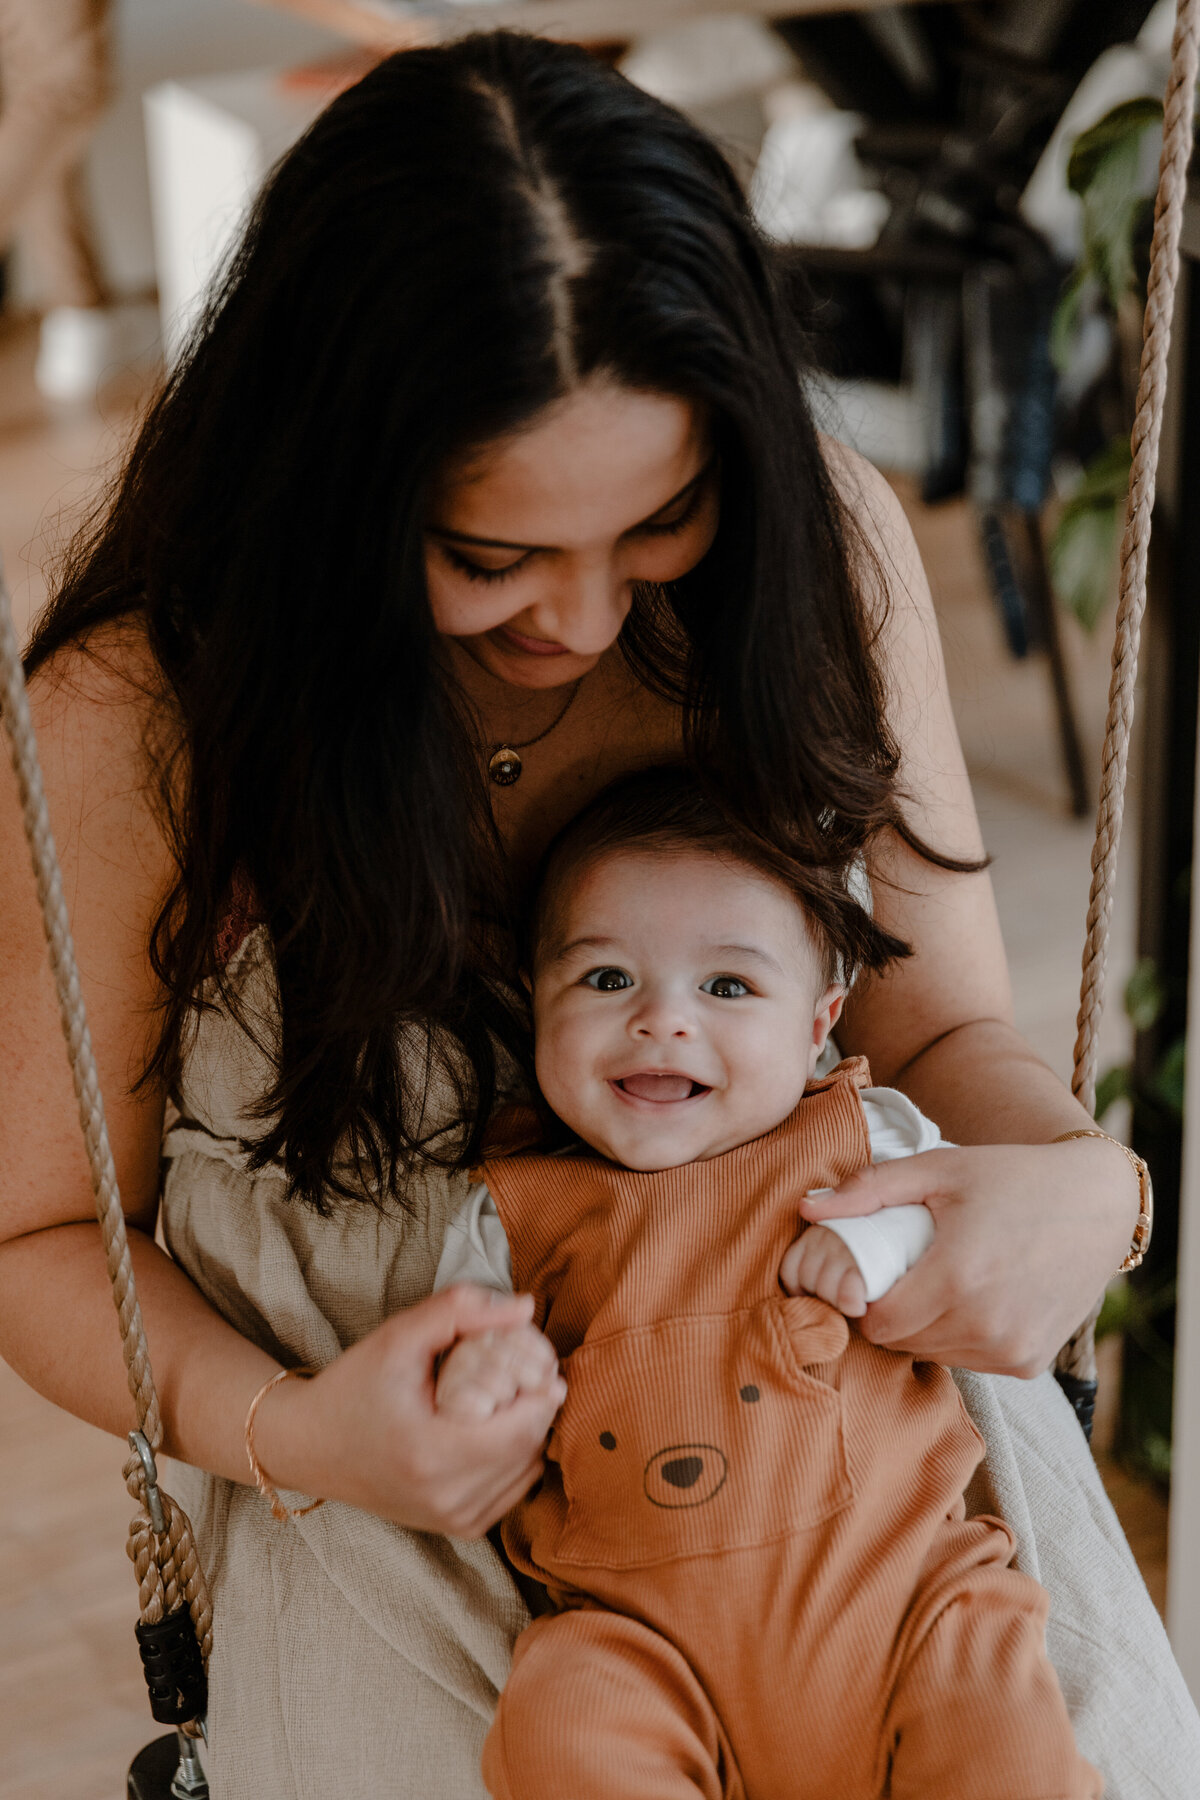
(660, 1088)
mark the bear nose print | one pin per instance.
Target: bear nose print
(684, 1472)
(749, 1393)
(684, 1475)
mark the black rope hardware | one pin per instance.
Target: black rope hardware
(174, 1668)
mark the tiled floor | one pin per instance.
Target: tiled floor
(72, 1709)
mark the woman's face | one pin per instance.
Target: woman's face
(533, 546)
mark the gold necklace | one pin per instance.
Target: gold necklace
(504, 763)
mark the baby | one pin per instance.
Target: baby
(751, 1526)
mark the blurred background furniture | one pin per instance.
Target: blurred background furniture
(955, 299)
(397, 24)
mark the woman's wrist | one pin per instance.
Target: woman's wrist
(1136, 1187)
(284, 1436)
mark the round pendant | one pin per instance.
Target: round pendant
(504, 767)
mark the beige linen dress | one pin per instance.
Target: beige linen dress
(353, 1659)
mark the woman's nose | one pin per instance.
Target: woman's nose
(586, 611)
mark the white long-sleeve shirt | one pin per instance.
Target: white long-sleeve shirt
(884, 1244)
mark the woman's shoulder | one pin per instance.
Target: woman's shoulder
(103, 679)
(103, 717)
(104, 736)
(895, 592)
(890, 563)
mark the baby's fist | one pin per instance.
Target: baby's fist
(820, 1263)
(479, 1375)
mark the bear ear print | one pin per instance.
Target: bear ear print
(749, 1393)
(607, 1441)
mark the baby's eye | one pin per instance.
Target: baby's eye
(608, 981)
(724, 987)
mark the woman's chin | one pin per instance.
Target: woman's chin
(524, 668)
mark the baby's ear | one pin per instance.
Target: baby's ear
(828, 1012)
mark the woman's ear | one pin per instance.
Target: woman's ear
(828, 1012)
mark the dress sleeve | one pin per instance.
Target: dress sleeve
(886, 1244)
(476, 1248)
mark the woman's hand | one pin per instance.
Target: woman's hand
(367, 1431)
(1027, 1237)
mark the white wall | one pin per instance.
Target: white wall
(156, 39)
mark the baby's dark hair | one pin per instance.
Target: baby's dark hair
(671, 808)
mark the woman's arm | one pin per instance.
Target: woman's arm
(365, 1430)
(1026, 1239)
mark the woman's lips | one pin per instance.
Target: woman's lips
(662, 1089)
(528, 646)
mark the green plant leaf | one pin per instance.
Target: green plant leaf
(1115, 1310)
(1168, 1079)
(1145, 995)
(1083, 548)
(1082, 555)
(1125, 124)
(1079, 287)
(1112, 1086)
(1157, 1451)
(1107, 170)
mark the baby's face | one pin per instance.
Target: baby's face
(679, 1006)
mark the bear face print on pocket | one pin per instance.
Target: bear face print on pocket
(693, 1436)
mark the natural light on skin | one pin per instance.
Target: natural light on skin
(679, 1006)
(533, 548)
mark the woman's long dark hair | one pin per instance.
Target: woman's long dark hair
(455, 243)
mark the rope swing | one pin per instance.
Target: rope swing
(1077, 1359)
(175, 1612)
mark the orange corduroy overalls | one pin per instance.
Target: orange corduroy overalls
(751, 1523)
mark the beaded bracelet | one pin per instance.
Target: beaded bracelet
(1145, 1220)
(262, 1480)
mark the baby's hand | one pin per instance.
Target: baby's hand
(479, 1375)
(820, 1263)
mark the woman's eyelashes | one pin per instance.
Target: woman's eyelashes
(669, 527)
(475, 571)
(652, 528)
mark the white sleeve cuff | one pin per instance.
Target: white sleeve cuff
(476, 1248)
(885, 1244)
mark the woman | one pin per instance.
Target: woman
(488, 476)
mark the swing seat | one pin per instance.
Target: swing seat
(156, 1773)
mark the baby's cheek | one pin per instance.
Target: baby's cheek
(568, 1057)
(767, 1076)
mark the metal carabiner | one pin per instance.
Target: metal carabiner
(140, 1446)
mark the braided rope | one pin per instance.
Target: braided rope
(168, 1567)
(1179, 110)
(1078, 1357)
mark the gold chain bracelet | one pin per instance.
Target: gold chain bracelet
(1145, 1220)
(262, 1480)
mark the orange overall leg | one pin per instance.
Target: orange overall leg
(977, 1712)
(599, 1707)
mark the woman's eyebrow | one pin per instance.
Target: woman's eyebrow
(490, 543)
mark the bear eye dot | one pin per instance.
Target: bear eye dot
(749, 1393)
(607, 1441)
